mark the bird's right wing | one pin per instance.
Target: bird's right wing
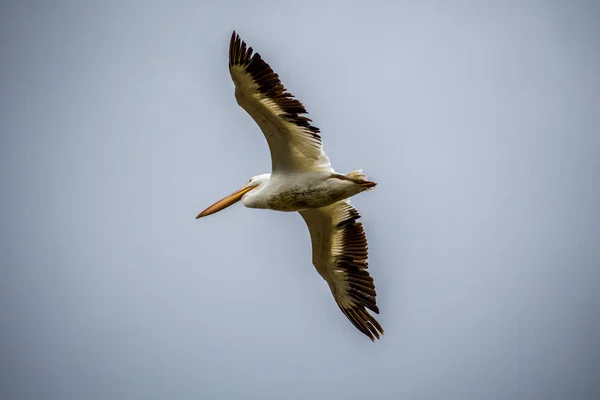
(340, 255)
(294, 143)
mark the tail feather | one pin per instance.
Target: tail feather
(360, 178)
(357, 174)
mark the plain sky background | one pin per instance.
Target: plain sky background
(480, 122)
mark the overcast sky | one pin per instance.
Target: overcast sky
(480, 122)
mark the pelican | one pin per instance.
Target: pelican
(303, 180)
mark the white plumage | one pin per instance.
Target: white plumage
(303, 180)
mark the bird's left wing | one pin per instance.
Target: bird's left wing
(294, 143)
(340, 255)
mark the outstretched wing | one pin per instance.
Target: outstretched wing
(340, 255)
(294, 143)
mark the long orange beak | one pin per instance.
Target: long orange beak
(226, 201)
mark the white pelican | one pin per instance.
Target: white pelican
(302, 180)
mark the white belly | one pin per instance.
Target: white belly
(295, 192)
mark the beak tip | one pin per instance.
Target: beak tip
(225, 202)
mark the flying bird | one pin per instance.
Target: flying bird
(303, 180)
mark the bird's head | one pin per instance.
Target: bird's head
(254, 183)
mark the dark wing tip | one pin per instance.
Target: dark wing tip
(363, 321)
(239, 53)
(269, 83)
(232, 46)
(360, 289)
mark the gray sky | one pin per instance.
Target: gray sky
(118, 125)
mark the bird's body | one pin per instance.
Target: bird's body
(296, 191)
(303, 180)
